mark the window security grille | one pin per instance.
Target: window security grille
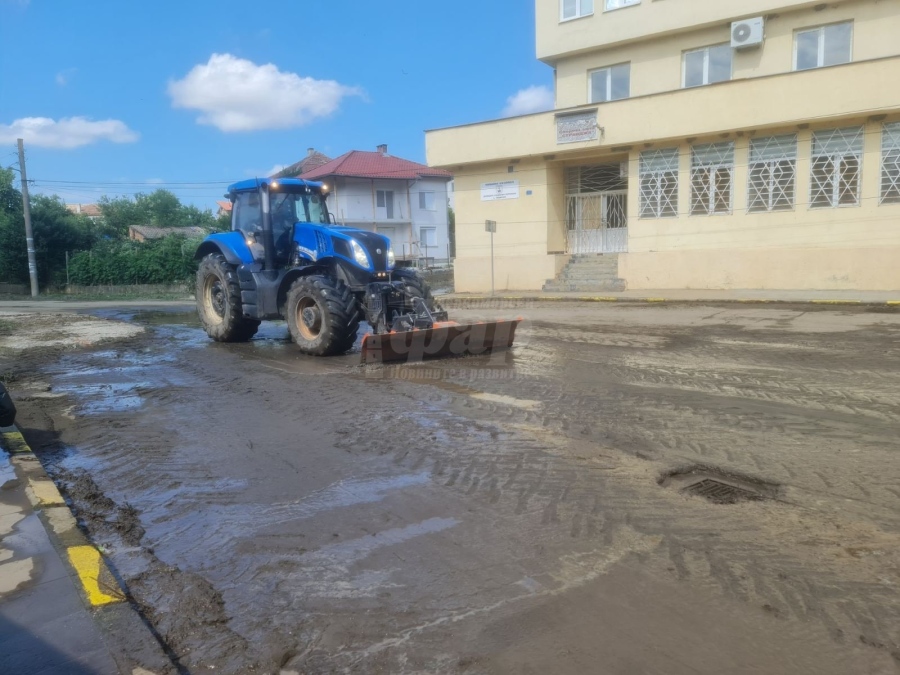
(595, 179)
(890, 163)
(659, 183)
(835, 167)
(712, 172)
(772, 173)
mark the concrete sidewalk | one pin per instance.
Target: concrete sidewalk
(891, 298)
(61, 609)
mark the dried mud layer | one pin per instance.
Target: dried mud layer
(631, 489)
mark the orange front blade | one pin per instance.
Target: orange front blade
(445, 339)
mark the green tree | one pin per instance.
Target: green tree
(13, 254)
(120, 213)
(160, 261)
(57, 231)
(163, 209)
(159, 209)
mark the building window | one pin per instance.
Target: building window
(384, 199)
(426, 201)
(572, 9)
(610, 84)
(618, 4)
(835, 167)
(890, 164)
(707, 65)
(712, 171)
(659, 183)
(428, 237)
(772, 173)
(823, 46)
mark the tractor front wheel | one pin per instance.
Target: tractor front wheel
(322, 316)
(219, 301)
(416, 286)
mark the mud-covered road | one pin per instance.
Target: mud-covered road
(551, 510)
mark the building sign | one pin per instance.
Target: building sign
(576, 128)
(506, 189)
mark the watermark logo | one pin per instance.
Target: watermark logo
(387, 354)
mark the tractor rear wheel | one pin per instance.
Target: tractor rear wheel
(322, 315)
(219, 301)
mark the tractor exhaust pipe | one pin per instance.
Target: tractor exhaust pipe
(268, 237)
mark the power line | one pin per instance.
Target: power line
(135, 183)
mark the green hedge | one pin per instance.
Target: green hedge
(162, 261)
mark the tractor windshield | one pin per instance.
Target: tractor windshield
(295, 207)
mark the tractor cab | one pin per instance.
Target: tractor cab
(287, 202)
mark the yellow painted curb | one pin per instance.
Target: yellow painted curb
(45, 493)
(835, 302)
(14, 442)
(96, 579)
(893, 302)
(604, 299)
(654, 299)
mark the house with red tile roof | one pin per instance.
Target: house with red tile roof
(92, 211)
(148, 232)
(313, 159)
(401, 199)
(224, 208)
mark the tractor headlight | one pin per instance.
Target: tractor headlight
(359, 254)
(390, 258)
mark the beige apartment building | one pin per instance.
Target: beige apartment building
(701, 143)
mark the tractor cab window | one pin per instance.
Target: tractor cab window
(290, 208)
(247, 213)
(318, 211)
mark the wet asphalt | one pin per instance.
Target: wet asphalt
(525, 512)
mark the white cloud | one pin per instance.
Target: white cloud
(63, 76)
(66, 133)
(235, 94)
(275, 169)
(530, 100)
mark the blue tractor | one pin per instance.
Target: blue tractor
(285, 258)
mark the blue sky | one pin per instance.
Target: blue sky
(167, 92)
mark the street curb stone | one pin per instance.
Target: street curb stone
(100, 589)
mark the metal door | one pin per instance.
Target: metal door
(598, 223)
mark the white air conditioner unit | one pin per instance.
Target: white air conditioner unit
(748, 33)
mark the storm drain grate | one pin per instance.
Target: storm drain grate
(721, 493)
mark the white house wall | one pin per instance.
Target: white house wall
(355, 204)
(436, 218)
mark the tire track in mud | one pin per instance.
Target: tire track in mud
(580, 467)
(690, 413)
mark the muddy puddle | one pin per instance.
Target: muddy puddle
(270, 510)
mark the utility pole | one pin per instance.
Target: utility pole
(29, 236)
(491, 226)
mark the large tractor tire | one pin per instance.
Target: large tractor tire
(416, 286)
(322, 315)
(219, 301)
